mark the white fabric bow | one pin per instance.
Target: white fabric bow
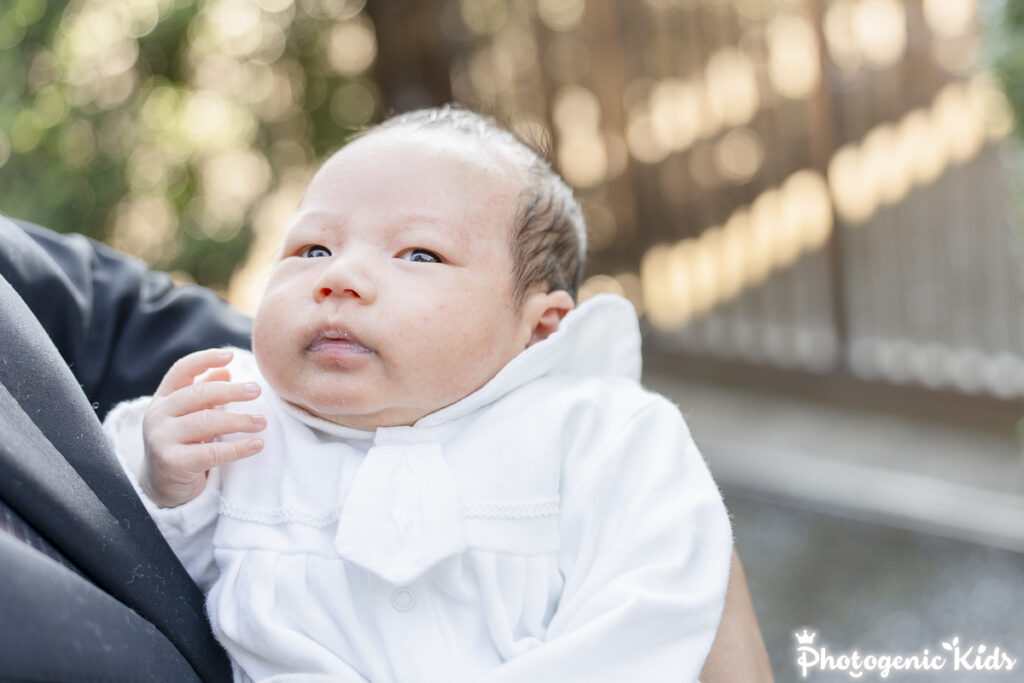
(402, 513)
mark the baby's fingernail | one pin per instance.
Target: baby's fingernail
(252, 388)
(255, 444)
(224, 354)
(259, 420)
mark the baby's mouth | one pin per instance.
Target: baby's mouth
(336, 340)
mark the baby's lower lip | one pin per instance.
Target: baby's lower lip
(336, 347)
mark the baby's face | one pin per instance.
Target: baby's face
(392, 296)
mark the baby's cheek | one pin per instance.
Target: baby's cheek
(443, 370)
(480, 361)
(263, 347)
(270, 347)
(469, 352)
(265, 320)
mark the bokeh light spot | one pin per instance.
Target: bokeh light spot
(949, 18)
(484, 17)
(26, 131)
(352, 47)
(739, 154)
(732, 87)
(50, 106)
(276, 5)
(793, 57)
(583, 159)
(28, 12)
(841, 35)
(576, 107)
(881, 29)
(561, 15)
(339, 9)
(353, 104)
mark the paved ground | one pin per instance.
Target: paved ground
(875, 589)
(882, 534)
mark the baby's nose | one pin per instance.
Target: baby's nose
(326, 292)
(343, 280)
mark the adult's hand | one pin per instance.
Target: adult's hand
(738, 654)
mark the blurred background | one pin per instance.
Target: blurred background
(813, 204)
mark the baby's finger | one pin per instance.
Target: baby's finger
(203, 456)
(185, 370)
(204, 425)
(203, 395)
(217, 375)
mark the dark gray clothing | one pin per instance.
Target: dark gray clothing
(89, 589)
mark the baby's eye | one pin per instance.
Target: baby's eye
(315, 251)
(420, 256)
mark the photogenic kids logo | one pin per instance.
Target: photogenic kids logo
(952, 656)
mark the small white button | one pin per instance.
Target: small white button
(403, 599)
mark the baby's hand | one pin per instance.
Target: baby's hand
(182, 421)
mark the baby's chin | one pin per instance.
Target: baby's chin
(366, 402)
(348, 414)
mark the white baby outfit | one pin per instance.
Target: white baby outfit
(558, 525)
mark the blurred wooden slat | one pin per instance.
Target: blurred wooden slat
(924, 293)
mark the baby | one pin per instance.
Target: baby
(458, 476)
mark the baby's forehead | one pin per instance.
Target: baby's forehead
(492, 153)
(394, 172)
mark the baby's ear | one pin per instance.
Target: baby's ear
(543, 311)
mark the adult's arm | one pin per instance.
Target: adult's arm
(57, 626)
(738, 654)
(117, 324)
(59, 476)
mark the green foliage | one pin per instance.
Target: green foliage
(168, 127)
(1006, 43)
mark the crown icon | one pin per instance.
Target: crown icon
(805, 638)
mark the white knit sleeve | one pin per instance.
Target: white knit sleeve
(645, 554)
(187, 528)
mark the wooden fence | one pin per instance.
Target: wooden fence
(809, 187)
